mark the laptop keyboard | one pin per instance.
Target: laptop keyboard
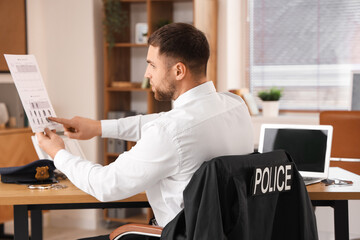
(309, 180)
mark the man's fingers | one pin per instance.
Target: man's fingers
(67, 123)
(73, 135)
(49, 133)
(40, 136)
(63, 121)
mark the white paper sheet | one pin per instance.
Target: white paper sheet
(31, 88)
(71, 145)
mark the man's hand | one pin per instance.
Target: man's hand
(79, 127)
(51, 143)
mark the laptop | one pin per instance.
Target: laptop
(308, 145)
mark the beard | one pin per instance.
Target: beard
(165, 93)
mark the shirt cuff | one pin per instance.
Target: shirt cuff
(107, 128)
(60, 157)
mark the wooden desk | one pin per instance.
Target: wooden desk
(13, 194)
(25, 200)
(337, 196)
(16, 149)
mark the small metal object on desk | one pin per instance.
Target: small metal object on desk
(58, 186)
(39, 187)
(45, 187)
(336, 181)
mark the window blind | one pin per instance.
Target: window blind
(309, 48)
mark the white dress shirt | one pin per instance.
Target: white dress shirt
(171, 146)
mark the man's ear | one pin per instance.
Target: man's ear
(180, 70)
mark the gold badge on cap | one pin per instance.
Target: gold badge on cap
(42, 173)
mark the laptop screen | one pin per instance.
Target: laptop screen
(308, 145)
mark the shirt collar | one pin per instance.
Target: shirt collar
(201, 90)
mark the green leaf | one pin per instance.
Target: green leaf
(116, 19)
(274, 94)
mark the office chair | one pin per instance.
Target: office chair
(139, 229)
(346, 138)
(219, 203)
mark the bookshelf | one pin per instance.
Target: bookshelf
(125, 62)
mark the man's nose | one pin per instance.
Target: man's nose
(147, 74)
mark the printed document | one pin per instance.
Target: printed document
(35, 100)
(30, 86)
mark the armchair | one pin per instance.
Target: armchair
(219, 203)
(346, 138)
(138, 229)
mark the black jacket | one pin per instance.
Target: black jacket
(218, 204)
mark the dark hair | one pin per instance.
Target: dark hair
(184, 43)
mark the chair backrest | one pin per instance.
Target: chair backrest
(346, 132)
(219, 201)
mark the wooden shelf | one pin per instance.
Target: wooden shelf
(127, 89)
(133, 1)
(14, 130)
(144, 1)
(171, 0)
(121, 72)
(121, 86)
(114, 155)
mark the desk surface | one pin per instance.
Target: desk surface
(13, 194)
(336, 192)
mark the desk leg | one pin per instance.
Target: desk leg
(21, 224)
(36, 225)
(341, 218)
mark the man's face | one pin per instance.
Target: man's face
(160, 74)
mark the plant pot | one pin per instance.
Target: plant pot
(270, 108)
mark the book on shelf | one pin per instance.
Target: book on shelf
(120, 114)
(118, 145)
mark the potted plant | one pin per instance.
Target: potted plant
(115, 21)
(270, 101)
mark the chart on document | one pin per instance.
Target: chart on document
(32, 91)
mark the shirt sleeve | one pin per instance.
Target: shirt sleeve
(153, 158)
(128, 128)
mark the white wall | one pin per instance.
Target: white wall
(61, 34)
(231, 40)
(66, 38)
